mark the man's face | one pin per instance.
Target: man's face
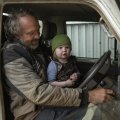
(29, 34)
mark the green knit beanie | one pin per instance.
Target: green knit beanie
(59, 40)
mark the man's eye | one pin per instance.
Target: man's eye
(31, 33)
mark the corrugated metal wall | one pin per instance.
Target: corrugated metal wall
(89, 40)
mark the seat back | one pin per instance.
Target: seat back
(6, 98)
(48, 32)
(8, 114)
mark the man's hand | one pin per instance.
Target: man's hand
(100, 95)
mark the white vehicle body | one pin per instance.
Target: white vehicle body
(108, 11)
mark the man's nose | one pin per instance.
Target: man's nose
(37, 35)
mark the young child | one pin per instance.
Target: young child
(62, 70)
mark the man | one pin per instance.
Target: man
(32, 97)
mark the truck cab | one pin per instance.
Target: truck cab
(92, 25)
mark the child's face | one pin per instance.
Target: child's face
(63, 52)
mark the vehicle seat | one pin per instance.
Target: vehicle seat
(48, 32)
(6, 97)
(8, 114)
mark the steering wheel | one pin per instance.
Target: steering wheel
(98, 71)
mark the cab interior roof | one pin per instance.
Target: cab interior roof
(69, 11)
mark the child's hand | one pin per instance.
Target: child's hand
(69, 83)
(74, 77)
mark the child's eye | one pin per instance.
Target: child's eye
(67, 47)
(60, 47)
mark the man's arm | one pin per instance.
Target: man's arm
(33, 86)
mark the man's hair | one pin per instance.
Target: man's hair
(12, 25)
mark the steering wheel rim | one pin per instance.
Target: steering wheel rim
(95, 68)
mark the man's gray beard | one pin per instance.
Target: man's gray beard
(33, 47)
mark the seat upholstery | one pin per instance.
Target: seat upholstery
(48, 32)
